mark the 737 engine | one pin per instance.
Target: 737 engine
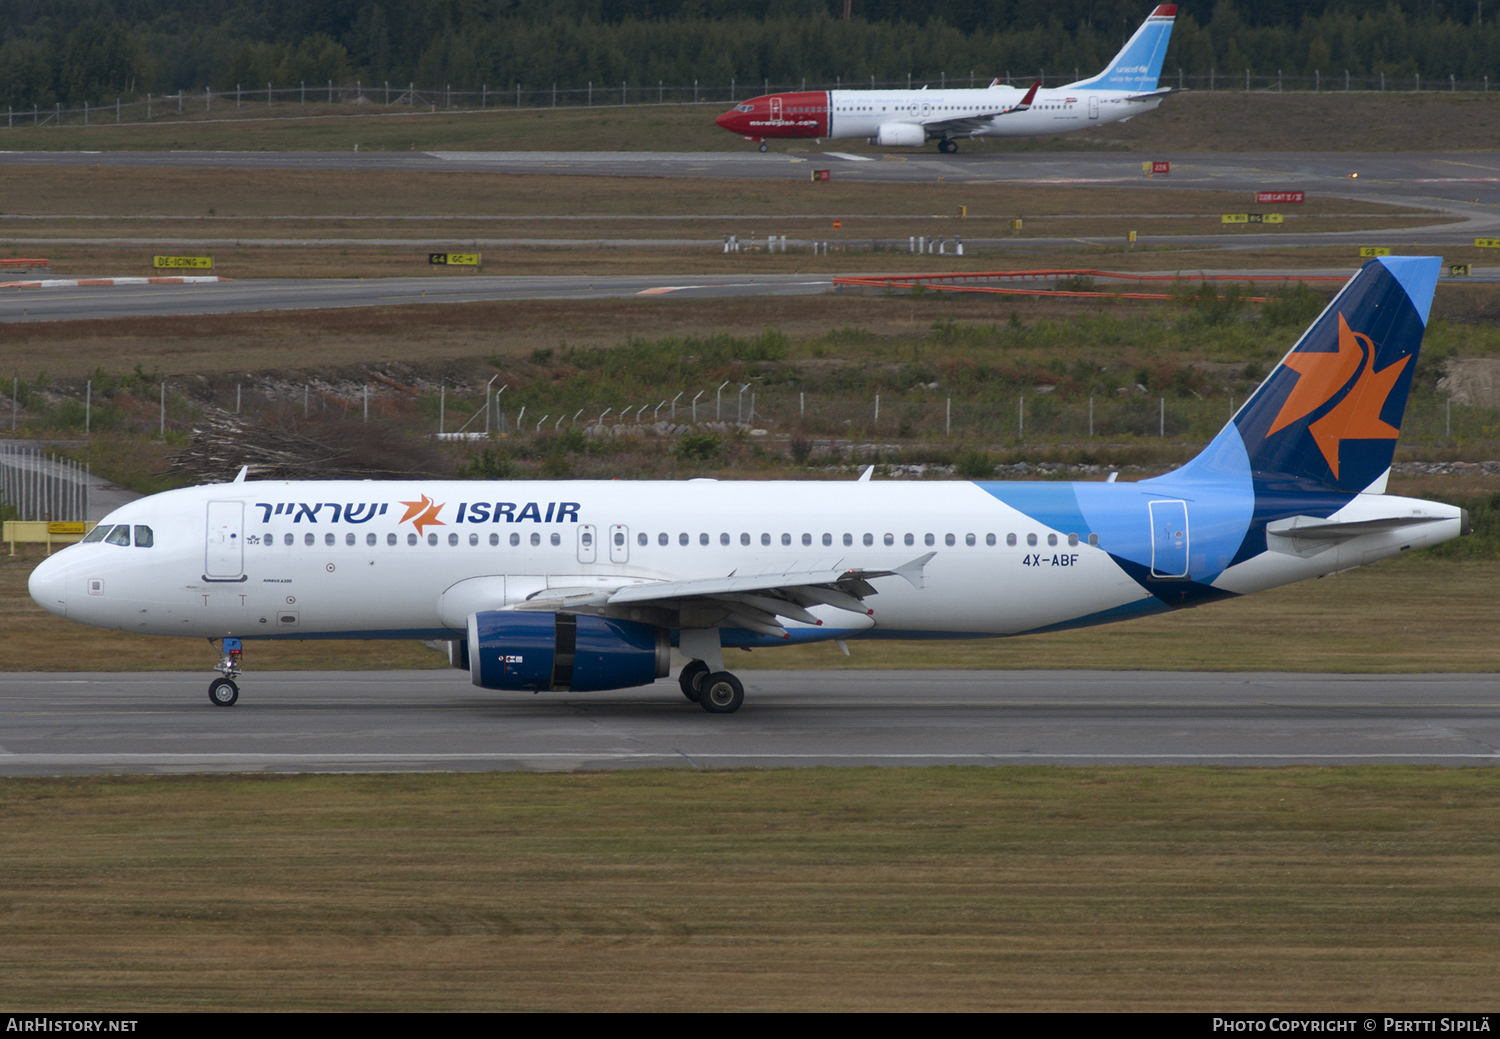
(564, 652)
(899, 135)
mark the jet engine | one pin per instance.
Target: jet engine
(564, 652)
(900, 135)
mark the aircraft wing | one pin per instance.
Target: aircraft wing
(756, 602)
(1163, 92)
(967, 126)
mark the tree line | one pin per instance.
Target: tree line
(72, 51)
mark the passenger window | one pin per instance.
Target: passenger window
(948, 540)
(1094, 540)
(702, 539)
(411, 539)
(642, 540)
(432, 539)
(308, 539)
(287, 540)
(349, 538)
(619, 537)
(786, 539)
(723, 539)
(929, 540)
(682, 539)
(328, 538)
(807, 539)
(744, 539)
(848, 540)
(890, 539)
(765, 539)
(557, 539)
(473, 539)
(989, 539)
(1052, 539)
(536, 539)
(1072, 540)
(452, 540)
(587, 539)
(143, 536)
(663, 538)
(494, 540)
(969, 540)
(119, 536)
(390, 539)
(515, 540)
(910, 540)
(1010, 539)
(869, 539)
(1031, 540)
(827, 539)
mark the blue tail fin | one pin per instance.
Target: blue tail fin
(1331, 411)
(1138, 66)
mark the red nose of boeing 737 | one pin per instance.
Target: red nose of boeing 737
(735, 119)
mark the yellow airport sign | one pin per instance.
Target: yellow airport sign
(1015, 225)
(1234, 218)
(1458, 270)
(453, 259)
(1250, 218)
(1373, 250)
(179, 262)
(65, 527)
(1487, 243)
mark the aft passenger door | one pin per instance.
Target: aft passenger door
(1093, 108)
(1169, 539)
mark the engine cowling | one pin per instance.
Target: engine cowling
(900, 135)
(563, 652)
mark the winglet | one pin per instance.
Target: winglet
(864, 477)
(240, 477)
(912, 571)
(1026, 101)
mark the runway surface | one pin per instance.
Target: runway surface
(1465, 187)
(435, 720)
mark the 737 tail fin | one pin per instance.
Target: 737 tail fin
(1331, 411)
(1138, 65)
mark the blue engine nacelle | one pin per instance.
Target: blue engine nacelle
(564, 652)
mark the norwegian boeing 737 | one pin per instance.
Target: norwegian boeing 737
(580, 586)
(909, 118)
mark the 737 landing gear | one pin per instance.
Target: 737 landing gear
(764, 146)
(947, 147)
(222, 692)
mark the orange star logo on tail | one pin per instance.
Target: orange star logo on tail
(1322, 375)
(425, 513)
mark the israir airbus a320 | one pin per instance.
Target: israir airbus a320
(909, 118)
(579, 586)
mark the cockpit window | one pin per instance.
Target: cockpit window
(97, 534)
(143, 536)
(120, 535)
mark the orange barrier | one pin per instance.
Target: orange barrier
(26, 262)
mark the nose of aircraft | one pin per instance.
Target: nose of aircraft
(49, 585)
(727, 120)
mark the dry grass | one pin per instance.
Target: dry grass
(939, 889)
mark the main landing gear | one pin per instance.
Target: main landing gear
(947, 147)
(764, 146)
(717, 692)
(222, 692)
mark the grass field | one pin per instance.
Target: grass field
(1210, 890)
(1194, 121)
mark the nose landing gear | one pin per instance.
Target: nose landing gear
(222, 692)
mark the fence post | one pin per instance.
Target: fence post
(1162, 430)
